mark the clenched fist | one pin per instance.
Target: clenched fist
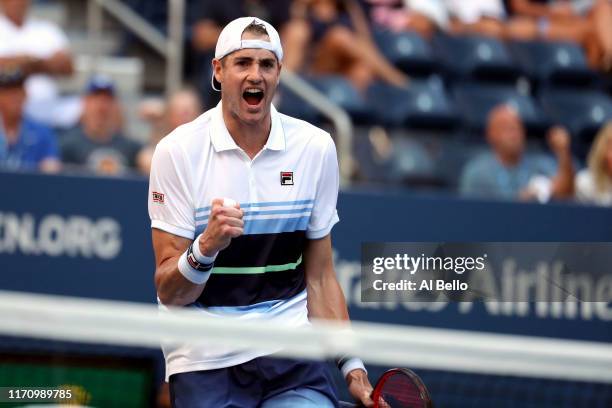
(224, 223)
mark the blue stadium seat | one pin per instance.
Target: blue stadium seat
(292, 105)
(454, 154)
(340, 91)
(424, 105)
(552, 62)
(410, 162)
(474, 101)
(583, 113)
(337, 89)
(474, 57)
(406, 50)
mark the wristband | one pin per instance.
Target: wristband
(199, 256)
(191, 269)
(347, 364)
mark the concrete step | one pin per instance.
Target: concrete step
(108, 43)
(126, 72)
(54, 12)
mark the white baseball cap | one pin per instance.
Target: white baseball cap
(230, 40)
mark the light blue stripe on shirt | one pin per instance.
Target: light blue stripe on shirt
(264, 204)
(269, 212)
(271, 226)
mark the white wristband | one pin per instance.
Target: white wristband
(199, 256)
(352, 364)
(191, 274)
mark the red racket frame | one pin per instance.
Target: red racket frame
(424, 394)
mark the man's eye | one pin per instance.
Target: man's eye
(242, 63)
(267, 64)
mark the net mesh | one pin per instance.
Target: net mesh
(454, 389)
(123, 366)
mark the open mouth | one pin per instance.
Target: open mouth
(253, 96)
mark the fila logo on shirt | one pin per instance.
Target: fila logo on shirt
(286, 178)
(158, 197)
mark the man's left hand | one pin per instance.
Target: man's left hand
(359, 387)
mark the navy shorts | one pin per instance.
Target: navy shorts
(251, 384)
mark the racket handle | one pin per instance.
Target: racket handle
(344, 404)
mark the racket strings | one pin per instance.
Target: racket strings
(399, 391)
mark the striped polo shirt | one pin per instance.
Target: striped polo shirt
(288, 193)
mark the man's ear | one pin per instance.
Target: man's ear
(280, 69)
(218, 70)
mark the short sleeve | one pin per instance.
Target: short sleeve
(324, 215)
(55, 40)
(434, 10)
(170, 202)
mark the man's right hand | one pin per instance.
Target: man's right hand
(559, 140)
(224, 223)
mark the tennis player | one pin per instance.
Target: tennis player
(242, 202)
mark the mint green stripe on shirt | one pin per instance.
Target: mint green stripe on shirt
(254, 270)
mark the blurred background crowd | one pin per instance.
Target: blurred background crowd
(493, 99)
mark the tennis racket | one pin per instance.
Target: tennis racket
(398, 388)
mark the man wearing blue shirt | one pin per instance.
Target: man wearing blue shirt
(507, 171)
(24, 143)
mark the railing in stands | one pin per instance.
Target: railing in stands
(170, 48)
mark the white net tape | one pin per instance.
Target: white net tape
(134, 324)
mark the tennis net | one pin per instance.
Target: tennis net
(107, 353)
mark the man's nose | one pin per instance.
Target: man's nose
(255, 74)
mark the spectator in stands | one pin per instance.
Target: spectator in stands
(342, 41)
(182, 107)
(39, 49)
(97, 142)
(213, 15)
(594, 184)
(477, 17)
(24, 143)
(421, 16)
(486, 18)
(587, 22)
(507, 172)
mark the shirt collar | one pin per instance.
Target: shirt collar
(222, 140)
